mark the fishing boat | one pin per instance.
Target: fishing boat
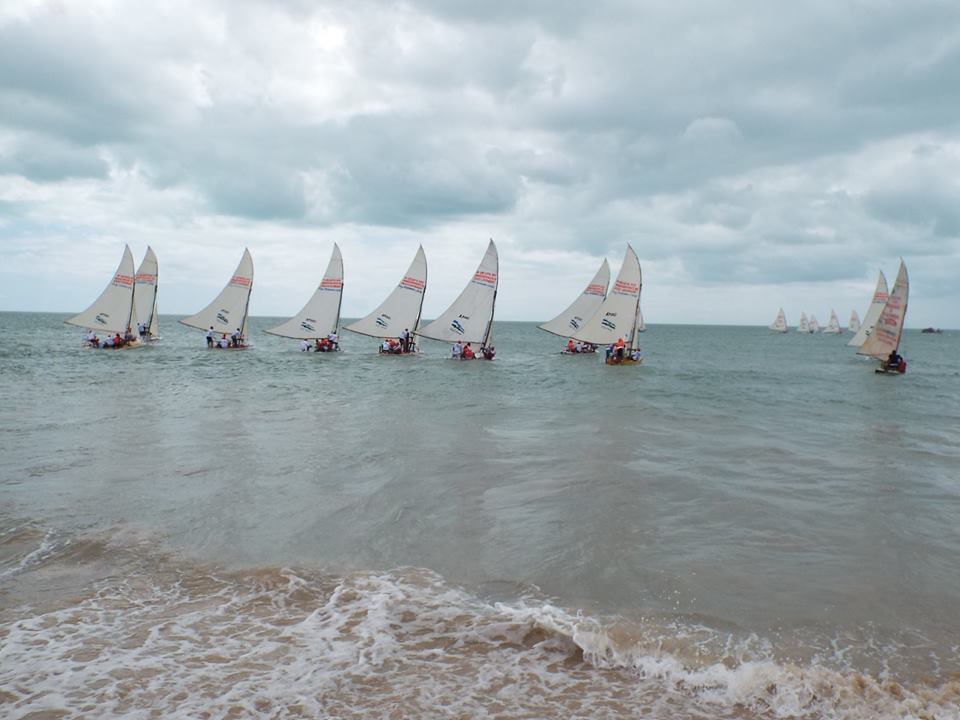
(780, 324)
(581, 309)
(854, 324)
(400, 312)
(884, 342)
(228, 314)
(115, 311)
(814, 326)
(319, 319)
(469, 319)
(616, 321)
(804, 326)
(833, 327)
(145, 295)
(880, 295)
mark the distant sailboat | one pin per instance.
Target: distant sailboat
(320, 317)
(814, 325)
(880, 295)
(854, 324)
(803, 327)
(884, 342)
(470, 318)
(145, 294)
(780, 324)
(833, 327)
(401, 309)
(115, 311)
(618, 318)
(227, 315)
(641, 325)
(583, 308)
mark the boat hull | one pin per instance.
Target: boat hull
(625, 361)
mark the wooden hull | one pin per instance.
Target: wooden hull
(625, 361)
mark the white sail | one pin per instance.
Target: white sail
(321, 315)
(401, 310)
(780, 324)
(854, 324)
(889, 327)
(146, 292)
(814, 326)
(803, 326)
(833, 327)
(880, 295)
(641, 325)
(619, 315)
(115, 310)
(469, 319)
(584, 307)
(228, 311)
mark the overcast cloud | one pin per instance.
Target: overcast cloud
(756, 154)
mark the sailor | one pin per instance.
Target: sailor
(141, 329)
(305, 345)
(332, 340)
(894, 360)
(210, 337)
(619, 348)
(385, 348)
(224, 343)
(456, 351)
(488, 352)
(578, 348)
(108, 342)
(91, 337)
(571, 347)
(635, 355)
(117, 340)
(235, 338)
(467, 353)
(405, 340)
(609, 351)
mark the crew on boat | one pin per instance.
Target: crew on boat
(895, 362)
(468, 353)
(224, 342)
(141, 329)
(235, 338)
(456, 351)
(405, 340)
(571, 346)
(305, 345)
(210, 337)
(333, 341)
(488, 353)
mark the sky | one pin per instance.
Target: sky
(755, 154)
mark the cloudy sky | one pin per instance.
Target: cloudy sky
(754, 153)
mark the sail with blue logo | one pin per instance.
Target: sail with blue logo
(401, 310)
(321, 315)
(115, 310)
(584, 307)
(230, 308)
(470, 318)
(619, 315)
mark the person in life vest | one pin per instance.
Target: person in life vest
(895, 362)
(618, 349)
(571, 345)
(468, 353)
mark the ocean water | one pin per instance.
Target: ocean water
(748, 525)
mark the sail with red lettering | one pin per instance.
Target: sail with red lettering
(619, 315)
(115, 310)
(886, 334)
(145, 293)
(228, 311)
(321, 315)
(401, 310)
(584, 307)
(880, 295)
(469, 319)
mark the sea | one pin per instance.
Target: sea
(747, 525)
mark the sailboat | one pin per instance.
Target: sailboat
(617, 319)
(319, 319)
(854, 324)
(803, 327)
(814, 325)
(780, 324)
(833, 327)
(115, 311)
(227, 315)
(583, 308)
(884, 342)
(145, 294)
(469, 319)
(880, 295)
(641, 325)
(400, 312)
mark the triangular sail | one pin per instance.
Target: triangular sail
(321, 315)
(584, 307)
(401, 310)
(641, 325)
(814, 325)
(618, 316)
(885, 337)
(780, 324)
(833, 327)
(803, 326)
(880, 295)
(114, 311)
(146, 292)
(228, 311)
(854, 324)
(469, 319)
